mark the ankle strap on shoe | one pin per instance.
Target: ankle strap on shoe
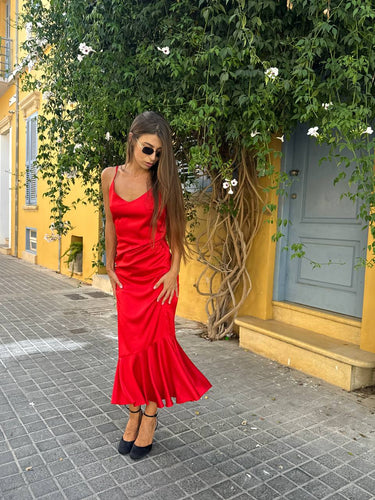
(151, 416)
(136, 411)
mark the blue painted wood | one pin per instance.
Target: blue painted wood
(328, 228)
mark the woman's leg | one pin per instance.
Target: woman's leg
(148, 425)
(132, 426)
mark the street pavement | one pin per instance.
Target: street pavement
(264, 431)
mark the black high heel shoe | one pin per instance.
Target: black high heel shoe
(138, 452)
(124, 447)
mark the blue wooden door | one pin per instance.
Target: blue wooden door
(327, 226)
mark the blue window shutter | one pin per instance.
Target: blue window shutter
(27, 163)
(34, 152)
(31, 153)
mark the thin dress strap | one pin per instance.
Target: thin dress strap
(112, 185)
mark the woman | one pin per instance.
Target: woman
(145, 236)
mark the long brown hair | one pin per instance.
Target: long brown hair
(164, 178)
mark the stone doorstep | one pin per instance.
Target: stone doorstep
(29, 257)
(336, 361)
(101, 281)
(5, 250)
(328, 323)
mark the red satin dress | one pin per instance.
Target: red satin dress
(151, 364)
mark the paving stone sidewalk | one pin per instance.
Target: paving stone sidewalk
(263, 431)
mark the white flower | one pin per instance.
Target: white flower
(31, 64)
(368, 131)
(77, 146)
(165, 50)
(71, 174)
(80, 57)
(313, 131)
(229, 183)
(32, 404)
(29, 29)
(17, 70)
(281, 138)
(59, 140)
(42, 42)
(272, 73)
(327, 105)
(51, 237)
(85, 49)
(254, 133)
(108, 136)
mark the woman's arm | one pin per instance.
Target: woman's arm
(110, 232)
(176, 260)
(169, 279)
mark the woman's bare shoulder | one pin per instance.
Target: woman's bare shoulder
(107, 174)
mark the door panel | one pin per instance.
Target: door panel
(327, 226)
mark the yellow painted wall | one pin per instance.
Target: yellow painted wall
(368, 321)
(261, 261)
(191, 304)
(2, 17)
(5, 109)
(85, 224)
(84, 221)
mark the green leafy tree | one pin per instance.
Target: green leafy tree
(228, 75)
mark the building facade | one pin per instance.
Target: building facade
(317, 319)
(25, 223)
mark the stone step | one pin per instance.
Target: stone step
(336, 361)
(334, 325)
(5, 250)
(102, 282)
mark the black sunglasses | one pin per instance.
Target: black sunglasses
(147, 150)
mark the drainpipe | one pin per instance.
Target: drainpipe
(16, 160)
(59, 256)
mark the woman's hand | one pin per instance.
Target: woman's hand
(114, 280)
(169, 282)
